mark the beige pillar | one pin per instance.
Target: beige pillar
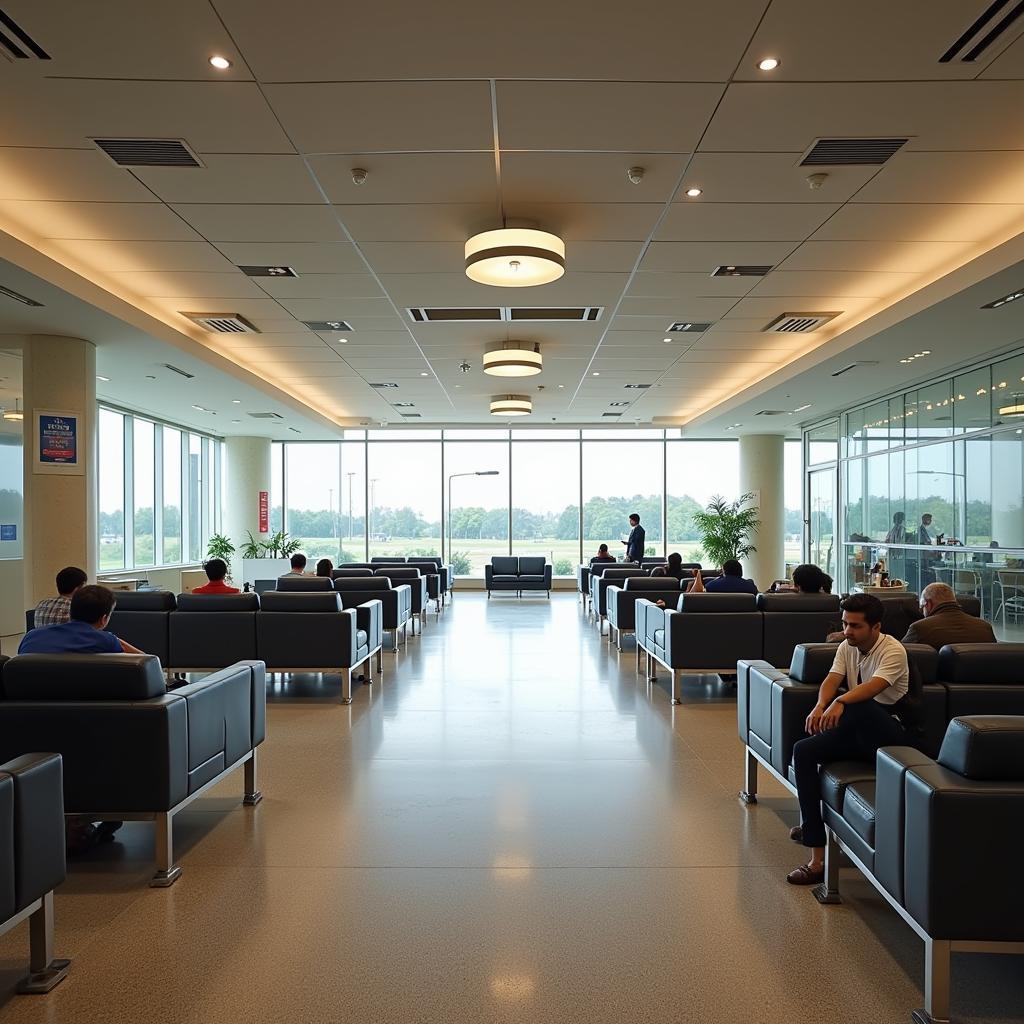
(59, 377)
(247, 473)
(761, 472)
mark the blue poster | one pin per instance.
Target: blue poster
(58, 440)
(8, 531)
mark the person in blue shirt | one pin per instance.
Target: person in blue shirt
(85, 632)
(636, 541)
(730, 582)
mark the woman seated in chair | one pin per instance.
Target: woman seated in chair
(603, 555)
(324, 567)
(810, 579)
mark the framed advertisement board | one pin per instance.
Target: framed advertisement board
(57, 442)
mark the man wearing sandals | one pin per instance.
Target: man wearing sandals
(848, 725)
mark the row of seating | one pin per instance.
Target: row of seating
(928, 825)
(288, 632)
(603, 577)
(439, 589)
(598, 566)
(131, 749)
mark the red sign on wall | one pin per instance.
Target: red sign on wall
(264, 512)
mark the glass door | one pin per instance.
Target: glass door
(821, 520)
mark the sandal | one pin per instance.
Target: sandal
(806, 875)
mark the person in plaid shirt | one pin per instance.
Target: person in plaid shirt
(53, 610)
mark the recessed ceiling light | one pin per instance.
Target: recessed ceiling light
(561, 385)
(342, 341)
(219, 62)
(800, 408)
(236, 401)
(768, 63)
(694, 192)
(668, 341)
(99, 376)
(1012, 297)
(596, 373)
(423, 373)
(236, 421)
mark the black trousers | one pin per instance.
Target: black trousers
(863, 728)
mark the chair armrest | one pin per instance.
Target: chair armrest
(548, 570)
(488, 573)
(753, 674)
(220, 714)
(791, 704)
(404, 592)
(960, 881)
(370, 616)
(38, 825)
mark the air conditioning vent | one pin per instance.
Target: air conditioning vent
(845, 152)
(771, 412)
(613, 414)
(747, 270)
(222, 323)
(989, 37)
(687, 327)
(853, 366)
(410, 415)
(798, 323)
(504, 314)
(18, 297)
(17, 42)
(383, 385)
(179, 371)
(266, 416)
(637, 387)
(615, 404)
(149, 152)
(327, 325)
(275, 271)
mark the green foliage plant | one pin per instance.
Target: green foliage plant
(725, 528)
(252, 548)
(220, 546)
(460, 563)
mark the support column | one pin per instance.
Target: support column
(761, 472)
(59, 376)
(247, 473)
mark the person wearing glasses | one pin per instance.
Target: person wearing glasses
(945, 622)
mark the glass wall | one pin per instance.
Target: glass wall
(159, 492)
(556, 493)
(932, 481)
(11, 494)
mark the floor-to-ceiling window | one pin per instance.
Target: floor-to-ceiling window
(405, 490)
(696, 471)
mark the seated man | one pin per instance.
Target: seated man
(52, 610)
(851, 725)
(730, 582)
(298, 566)
(216, 569)
(945, 622)
(85, 632)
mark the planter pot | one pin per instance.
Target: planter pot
(254, 569)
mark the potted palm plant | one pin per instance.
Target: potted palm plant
(267, 559)
(220, 546)
(725, 528)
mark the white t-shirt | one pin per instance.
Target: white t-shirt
(887, 660)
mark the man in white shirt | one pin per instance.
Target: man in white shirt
(851, 725)
(298, 563)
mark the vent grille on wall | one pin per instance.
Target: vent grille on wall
(989, 37)
(738, 270)
(687, 327)
(275, 271)
(17, 42)
(179, 371)
(505, 314)
(798, 323)
(841, 152)
(328, 325)
(266, 416)
(222, 323)
(149, 152)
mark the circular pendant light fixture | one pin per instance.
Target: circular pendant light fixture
(15, 414)
(511, 405)
(514, 359)
(515, 257)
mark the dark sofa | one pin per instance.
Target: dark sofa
(32, 859)
(529, 573)
(131, 749)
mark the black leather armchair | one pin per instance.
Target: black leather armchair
(304, 584)
(346, 574)
(603, 576)
(411, 577)
(210, 631)
(791, 619)
(395, 603)
(142, 618)
(934, 838)
(621, 601)
(133, 751)
(983, 679)
(438, 577)
(32, 859)
(298, 632)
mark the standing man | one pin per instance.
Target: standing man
(637, 538)
(924, 533)
(852, 725)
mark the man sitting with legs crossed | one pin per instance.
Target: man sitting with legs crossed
(849, 725)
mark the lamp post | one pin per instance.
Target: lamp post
(371, 511)
(350, 475)
(452, 476)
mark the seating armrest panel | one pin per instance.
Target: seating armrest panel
(754, 679)
(792, 702)
(219, 715)
(891, 766)
(118, 755)
(370, 617)
(960, 881)
(965, 699)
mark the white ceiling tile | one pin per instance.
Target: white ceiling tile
(771, 307)
(412, 222)
(743, 222)
(66, 174)
(319, 286)
(924, 222)
(409, 178)
(689, 285)
(235, 178)
(948, 178)
(295, 354)
(831, 282)
(623, 116)
(303, 257)
(250, 223)
(889, 257)
(115, 256)
(607, 222)
(1009, 64)
(703, 257)
(185, 283)
(369, 117)
(141, 221)
(656, 314)
(350, 309)
(458, 290)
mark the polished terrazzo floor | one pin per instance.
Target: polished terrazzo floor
(509, 827)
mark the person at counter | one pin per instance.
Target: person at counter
(898, 532)
(924, 533)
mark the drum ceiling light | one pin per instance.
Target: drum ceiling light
(514, 359)
(511, 405)
(515, 257)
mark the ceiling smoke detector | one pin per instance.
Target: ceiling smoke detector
(465, 367)
(359, 175)
(635, 175)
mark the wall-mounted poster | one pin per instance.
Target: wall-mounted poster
(57, 442)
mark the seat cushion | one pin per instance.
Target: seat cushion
(835, 777)
(859, 809)
(532, 579)
(504, 579)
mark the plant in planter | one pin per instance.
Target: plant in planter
(725, 528)
(252, 548)
(267, 559)
(280, 545)
(220, 546)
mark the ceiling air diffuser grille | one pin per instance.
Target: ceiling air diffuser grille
(17, 42)
(687, 327)
(748, 270)
(148, 152)
(989, 37)
(798, 323)
(222, 323)
(843, 152)
(266, 416)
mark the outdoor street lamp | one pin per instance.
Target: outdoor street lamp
(350, 475)
(479, 472)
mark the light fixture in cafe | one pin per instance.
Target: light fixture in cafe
(511, 405)
(515, 257)
(514, 359)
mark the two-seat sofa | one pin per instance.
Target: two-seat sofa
(935, 838)
(131, 749)
(32, 859)
(529, 573)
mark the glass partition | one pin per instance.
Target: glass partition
(111, 489)
(11, 494)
